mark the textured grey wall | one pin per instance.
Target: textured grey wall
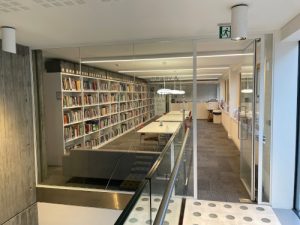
(17, 170)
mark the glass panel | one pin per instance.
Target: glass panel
(96, 103)
(267, 118)
(246, 120)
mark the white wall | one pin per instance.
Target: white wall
(57, 214)
(234, 89)
(284, 123)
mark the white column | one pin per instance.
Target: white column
(284, 110)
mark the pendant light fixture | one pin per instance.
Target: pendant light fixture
(239, 22)
(9, 39)
(164, 91)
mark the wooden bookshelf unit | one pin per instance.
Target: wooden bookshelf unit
(89, 110)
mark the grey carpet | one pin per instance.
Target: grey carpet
(218, 165)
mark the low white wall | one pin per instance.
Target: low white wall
(231, 126)
(57, 214)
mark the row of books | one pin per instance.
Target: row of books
(114, 108)
(91, 85)
(91, 126)
(71, 84)
(105, 97)
(114, 86)
(123, 107)
(72, 146)
(91, 112)
(104, 122)
(70, 101)
(126, 87)
(114, 97)
(73, 116)
(104, 86)
(92, 142)
(90, 99)
(104, 111)
(73, 131)
(114, 119)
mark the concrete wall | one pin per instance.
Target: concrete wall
(284, 123)
(17, 167)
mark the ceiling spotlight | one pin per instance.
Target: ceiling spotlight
(239, 22)
(9, 39)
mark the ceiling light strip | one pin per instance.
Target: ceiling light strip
(174, 70)
(149, 58)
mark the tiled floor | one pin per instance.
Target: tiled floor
(141, 213)
(201, 212)
(218, 165)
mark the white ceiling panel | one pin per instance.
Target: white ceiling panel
(61, 23)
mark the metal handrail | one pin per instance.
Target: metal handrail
(162, 211)
(162, 155)
(122, 218)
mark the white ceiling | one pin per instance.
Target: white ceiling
(209, 68)
(43, 23)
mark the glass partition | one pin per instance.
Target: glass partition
(95, 101)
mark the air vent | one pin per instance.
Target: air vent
(59, 3)
(8, 6)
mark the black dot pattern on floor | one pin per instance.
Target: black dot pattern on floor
(212, 205)
(169, 211)
(171, 201)
(157, 199)
(139, 209)
(145, 199)
(227, 213)
(212, 215)
(197, 203)
(247, 219)
(260, 209)
(166, 223)
(230, 217)
(266, 220)
(133, 220)
(148, 222)
(153, 209)
(196, 214)
(243, 207)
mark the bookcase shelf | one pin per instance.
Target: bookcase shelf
(101, 109)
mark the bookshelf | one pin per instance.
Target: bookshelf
(91, 109)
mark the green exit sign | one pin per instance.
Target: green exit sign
(225, 31)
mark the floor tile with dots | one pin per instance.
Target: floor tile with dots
(200, 212)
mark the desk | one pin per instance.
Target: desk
(178, 113)
(155, 128)
(171, 118)
(166, 128)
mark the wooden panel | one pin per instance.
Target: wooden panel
(17, 176)
(27, 217)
